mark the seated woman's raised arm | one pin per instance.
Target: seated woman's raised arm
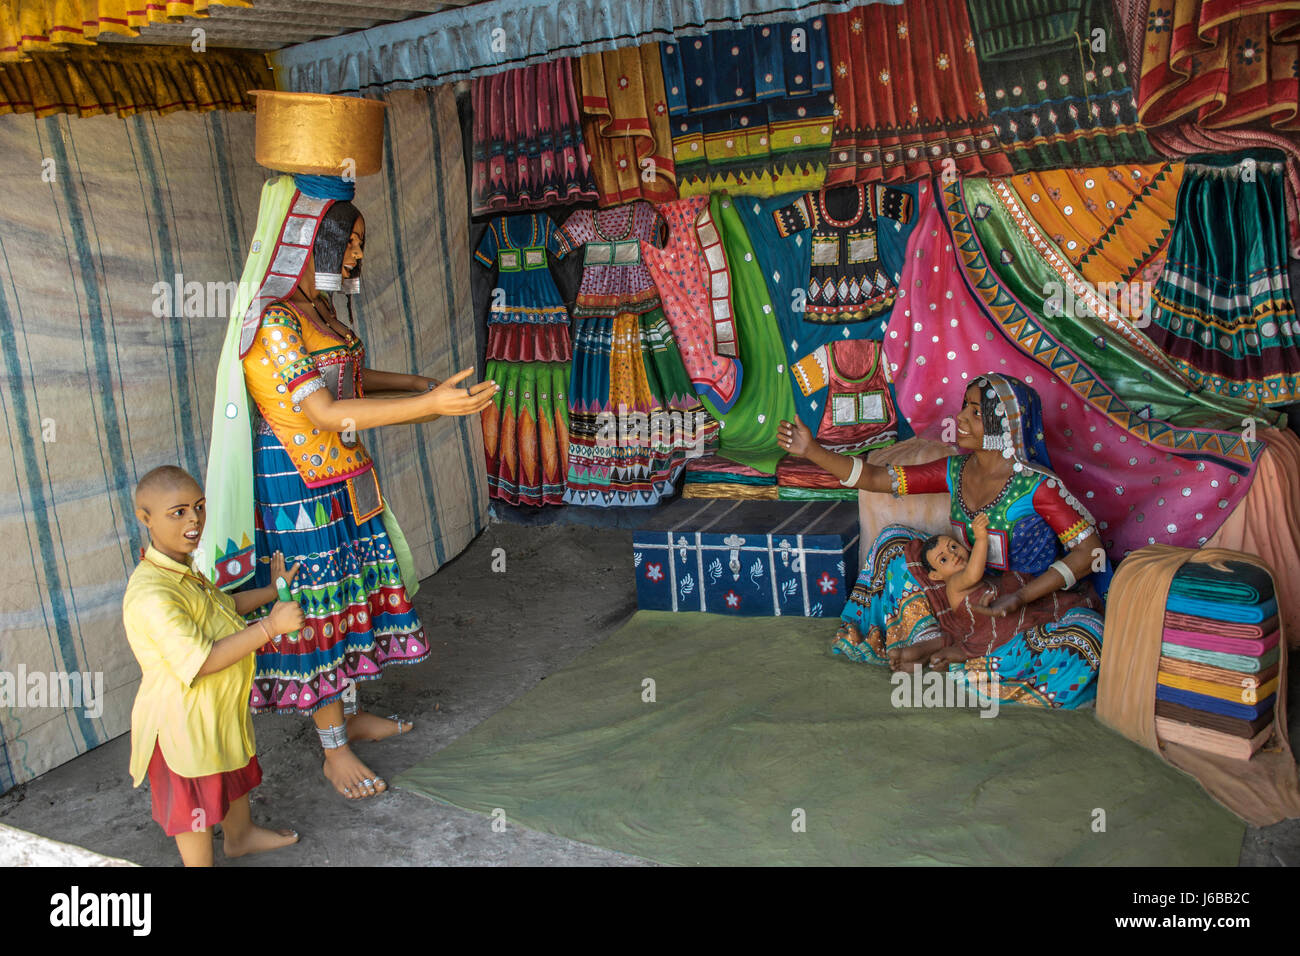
(797, 439)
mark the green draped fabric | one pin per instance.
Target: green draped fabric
(748, 432)
(1012, 28)
(1120, 355)
(1054, 98)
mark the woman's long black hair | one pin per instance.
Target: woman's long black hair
(332, 240)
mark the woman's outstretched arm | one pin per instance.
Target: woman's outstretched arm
(374, 380)
(355, 414)
(797, 439)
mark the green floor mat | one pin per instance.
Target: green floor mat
(762, 748)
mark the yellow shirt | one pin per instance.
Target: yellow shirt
(172, 620)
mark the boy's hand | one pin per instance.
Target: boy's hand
(285, 616)
(278, 569)
(980, 526)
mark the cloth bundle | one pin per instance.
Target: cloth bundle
(1218, 673)
(713, 476)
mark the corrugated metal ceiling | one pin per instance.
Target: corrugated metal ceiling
(272, 24)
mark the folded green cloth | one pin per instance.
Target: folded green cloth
(727, 478)
(1242, 583)
(785, 493)
(1233, 662)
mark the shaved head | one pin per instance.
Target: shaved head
(164, 478)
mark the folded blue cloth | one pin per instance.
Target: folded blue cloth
(1214, 705)
(1222, 610)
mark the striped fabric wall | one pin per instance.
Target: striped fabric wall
(95, 389)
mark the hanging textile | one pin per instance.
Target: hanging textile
(1112, 223)
(1223, 64)
(691, 274)
(633, 414)
(750, 110)
(908, 98)
(528, 148)
(859, 413)
(1223, 307)
(785, 263)
(1143, 479)
(748, 429)
(1028, 265)
(45, 25)
(526, 428)
(125, 81)
(847, 280)
(1218, 77)
(1056, 99)
(625, 124)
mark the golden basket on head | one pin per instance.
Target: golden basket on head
(319, 134)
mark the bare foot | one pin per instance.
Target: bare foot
(850, 633)
(903, 657)
(350, 776)
(258, 840)
(366, 726)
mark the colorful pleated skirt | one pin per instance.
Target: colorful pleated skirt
(634, 414)
(359, 618)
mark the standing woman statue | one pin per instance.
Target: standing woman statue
(287, 469)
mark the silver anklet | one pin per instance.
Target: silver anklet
(334, 737)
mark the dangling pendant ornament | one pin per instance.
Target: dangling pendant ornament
(994, 442)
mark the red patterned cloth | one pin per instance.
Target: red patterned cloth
(528, 148)
(909, 102)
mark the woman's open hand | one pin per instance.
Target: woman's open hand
(447, 399)
(795, 438)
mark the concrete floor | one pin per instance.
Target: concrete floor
(494, 636)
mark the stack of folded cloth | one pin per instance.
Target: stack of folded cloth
(798, 479)
(1218, 675)
(716, 477)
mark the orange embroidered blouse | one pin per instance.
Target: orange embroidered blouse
(293, 356)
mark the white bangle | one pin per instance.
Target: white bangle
(1064, 571)
(852, 480)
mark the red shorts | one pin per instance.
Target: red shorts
(176, 798)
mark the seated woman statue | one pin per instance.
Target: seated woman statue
(1035, 529)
